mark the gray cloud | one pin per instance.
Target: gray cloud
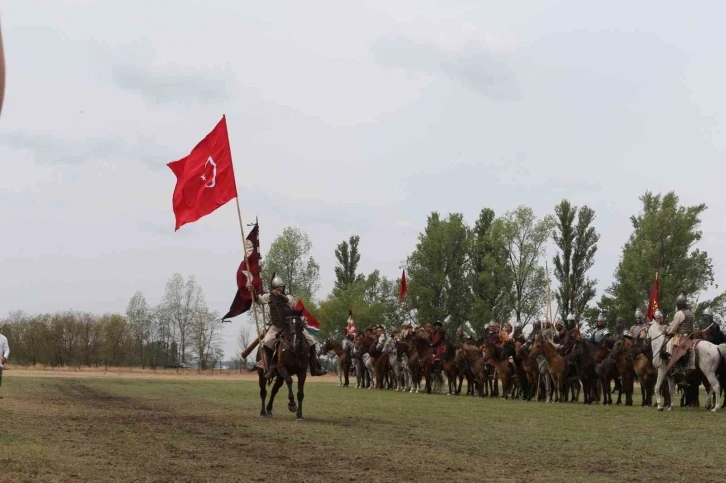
(49, 149)
(473, 66)
(173, 87)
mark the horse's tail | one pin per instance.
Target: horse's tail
(722, 351)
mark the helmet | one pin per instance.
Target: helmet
(570, 316)
(558, 321)
(517, 325)
(277, 282)
(681, 301)
(638, 314)
(708, 312)
(600, 317)
(658, 313)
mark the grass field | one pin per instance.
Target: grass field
(86, 428)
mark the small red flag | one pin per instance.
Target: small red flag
(204, 178)
(313, 324)
(654, 303)
(403, 288)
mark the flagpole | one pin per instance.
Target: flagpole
(249, 286)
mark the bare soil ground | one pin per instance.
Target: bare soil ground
(91, 427)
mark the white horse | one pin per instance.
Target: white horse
(708, 357)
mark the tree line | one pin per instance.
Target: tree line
(459, 274)
(497, 270)
(179, 329)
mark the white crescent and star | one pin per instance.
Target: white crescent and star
(213, 182)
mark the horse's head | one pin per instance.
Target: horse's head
(578, 349)
(621, 346)
(537, 346)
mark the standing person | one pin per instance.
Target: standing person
(4, 353)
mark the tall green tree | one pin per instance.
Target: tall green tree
(289, 257)
(348, 258)
(664, 239)
(490, 275)
(373, 300)
(438, 270)
(577, 244)
(525, 238)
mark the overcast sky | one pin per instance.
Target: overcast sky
(344, 118)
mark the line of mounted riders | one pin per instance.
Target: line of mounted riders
(554, 362)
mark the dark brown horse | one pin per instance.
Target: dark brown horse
(344, 357)
(292, 356)
(425, 358)
(471, 356)
(492, 354)
(583, 356)
(619, 353)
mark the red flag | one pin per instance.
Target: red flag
(654, 303)
(403, 288)
(313, 324)
(204, 178)
(243, 298)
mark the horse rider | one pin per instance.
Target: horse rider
(437, 340)
(492, 334)
(560, 328)
(406, 330)
(620, 325)
(389, 347)
(636, 331)
(570, 325)
(460, 338)
(710, 329)
(281, 307)
(679, 330)
(548, 332)
(658, 316)
(601, 332)
(382, 338)
(507, 334)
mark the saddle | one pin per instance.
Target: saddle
(289, 331)
(683, 346)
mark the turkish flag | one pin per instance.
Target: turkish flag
(654, 303)
(403, 288)
(242, 301)
(204, 178)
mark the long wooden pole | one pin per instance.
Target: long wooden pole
(249, 286)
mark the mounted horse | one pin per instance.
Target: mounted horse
(708, 357)
(344, 358)
(292, 358)
(555, 364)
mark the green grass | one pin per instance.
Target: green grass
(62, 429)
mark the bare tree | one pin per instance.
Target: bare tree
(139, 318)
(206, 338)
(243, 340)
(182, 302)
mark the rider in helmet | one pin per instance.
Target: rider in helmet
(658, 317)
(680, 329)
(637, 329)
(283, 306)
(710, 328)
(601, 332)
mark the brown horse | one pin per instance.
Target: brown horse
(292, 360)
(343, 359)
(555, 363)
(583, 356)
(492, 354)
(472, 357)
(531, 370)
(450, 368)
(425, 356)
(619, 353)
(360, 350)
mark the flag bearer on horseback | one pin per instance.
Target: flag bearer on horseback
(281, 307)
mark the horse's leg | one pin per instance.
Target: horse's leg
(276, 387)
(340, 373)
(282, 370)
(300, 392)
(263, 391)
(671, 389)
